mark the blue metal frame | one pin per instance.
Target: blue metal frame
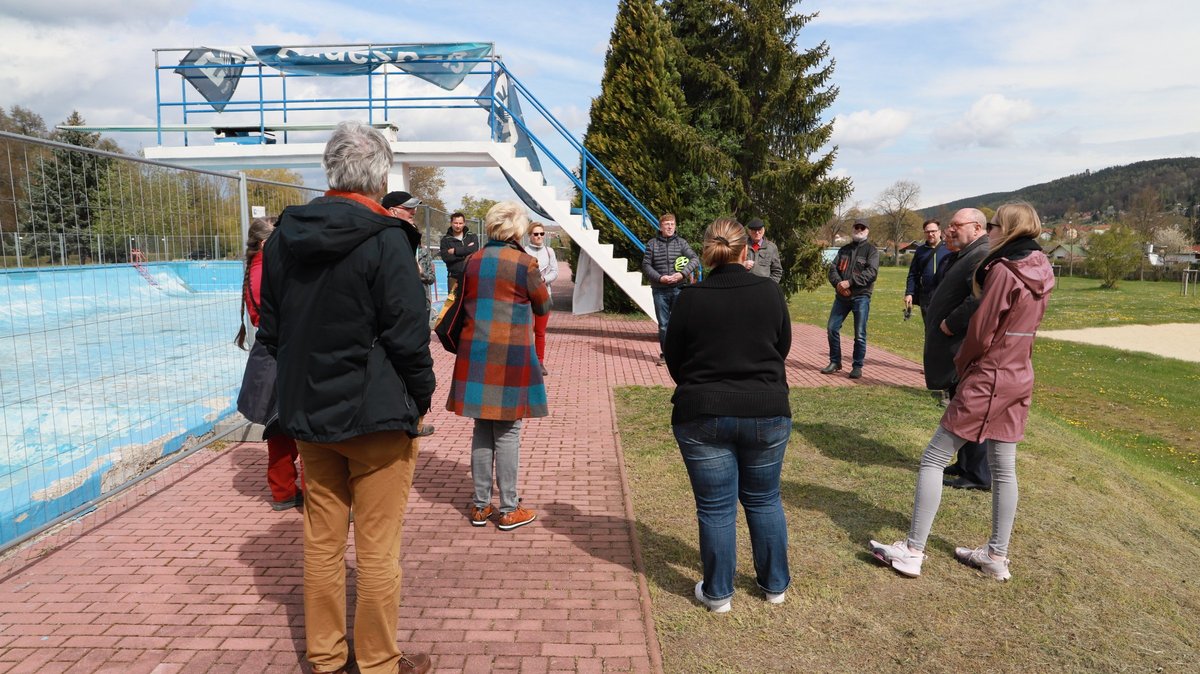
(291, 107)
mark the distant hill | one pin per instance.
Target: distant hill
(1177, 180)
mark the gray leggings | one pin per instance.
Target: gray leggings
(496, 442)
(1002, 459)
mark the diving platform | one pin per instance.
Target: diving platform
(241, 129)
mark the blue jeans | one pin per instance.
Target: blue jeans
(731, 459)
(860, 306)
(664, 300)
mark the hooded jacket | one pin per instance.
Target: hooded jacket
(995, 367)
(343, 313)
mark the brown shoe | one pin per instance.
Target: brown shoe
(517, 518)
(415, 663)
(480, 516)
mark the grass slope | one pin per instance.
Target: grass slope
(1140, 406)
(1104, 552)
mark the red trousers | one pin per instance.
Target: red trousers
(539, 336)
(281, 467)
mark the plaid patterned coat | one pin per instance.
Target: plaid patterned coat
(496, 372)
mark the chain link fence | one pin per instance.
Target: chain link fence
(120, 295)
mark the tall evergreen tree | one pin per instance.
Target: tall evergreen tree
(758, 99)
(637, 130)
(60, 191)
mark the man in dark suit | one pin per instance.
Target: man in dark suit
(950, 310)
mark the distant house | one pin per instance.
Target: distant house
(1188, 257)
(910, 246)
(1072, 232)
(1064, 251)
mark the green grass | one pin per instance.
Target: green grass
(1104, 552)
(1141, 407)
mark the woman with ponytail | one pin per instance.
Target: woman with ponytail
(257, 398)
(725, 347)
(995, 372)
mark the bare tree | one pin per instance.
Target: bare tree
(1144, 212)
(427, 183)
(896, 204)
(843, 215)
(1142, 216)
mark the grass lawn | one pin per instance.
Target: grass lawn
(1142, 407)
(1107, 539)
(1104, 552)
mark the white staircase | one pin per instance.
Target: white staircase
(616, 268)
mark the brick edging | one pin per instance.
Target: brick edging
(652, 646)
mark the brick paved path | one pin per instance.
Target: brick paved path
(193, 572)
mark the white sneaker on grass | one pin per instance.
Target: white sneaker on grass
(981, 559)
(775, 597)
(899, 557)
(722, 606)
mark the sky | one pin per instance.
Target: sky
(963, 98)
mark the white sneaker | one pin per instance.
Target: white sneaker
(981, 559)
(775, 597)
(899, 557)
(722, 606)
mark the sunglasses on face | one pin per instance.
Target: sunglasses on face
(991, 226)
(538, 234)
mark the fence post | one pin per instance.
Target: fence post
(244, 200)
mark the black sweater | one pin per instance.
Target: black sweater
(725, 347)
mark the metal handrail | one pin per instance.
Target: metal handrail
(372, 102)
(586, 156)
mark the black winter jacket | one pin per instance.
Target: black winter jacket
(343, 312)
(954, 303)
(660, 256)
(455, 251)
(857, 263)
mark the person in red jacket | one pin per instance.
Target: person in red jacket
(257, 398)
(995, 386)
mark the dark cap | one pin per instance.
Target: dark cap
(861, 224)
(755, 223)
(400, 199)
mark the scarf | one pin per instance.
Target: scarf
(1013, 250)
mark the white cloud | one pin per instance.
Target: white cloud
(989, 123)
(91, 13)
(869, 130)
(896, 12)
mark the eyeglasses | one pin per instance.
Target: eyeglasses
(932, 231)
(956, 225)
(538, 234)
(991, 226)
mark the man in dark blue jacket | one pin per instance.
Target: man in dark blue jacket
(922, 271)
(343, 313)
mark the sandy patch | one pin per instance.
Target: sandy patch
(1172, 340)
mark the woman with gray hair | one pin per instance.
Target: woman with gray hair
(495, 381)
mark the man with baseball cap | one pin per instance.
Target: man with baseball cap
(762, 256)
(853, 278)
(403, 205)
